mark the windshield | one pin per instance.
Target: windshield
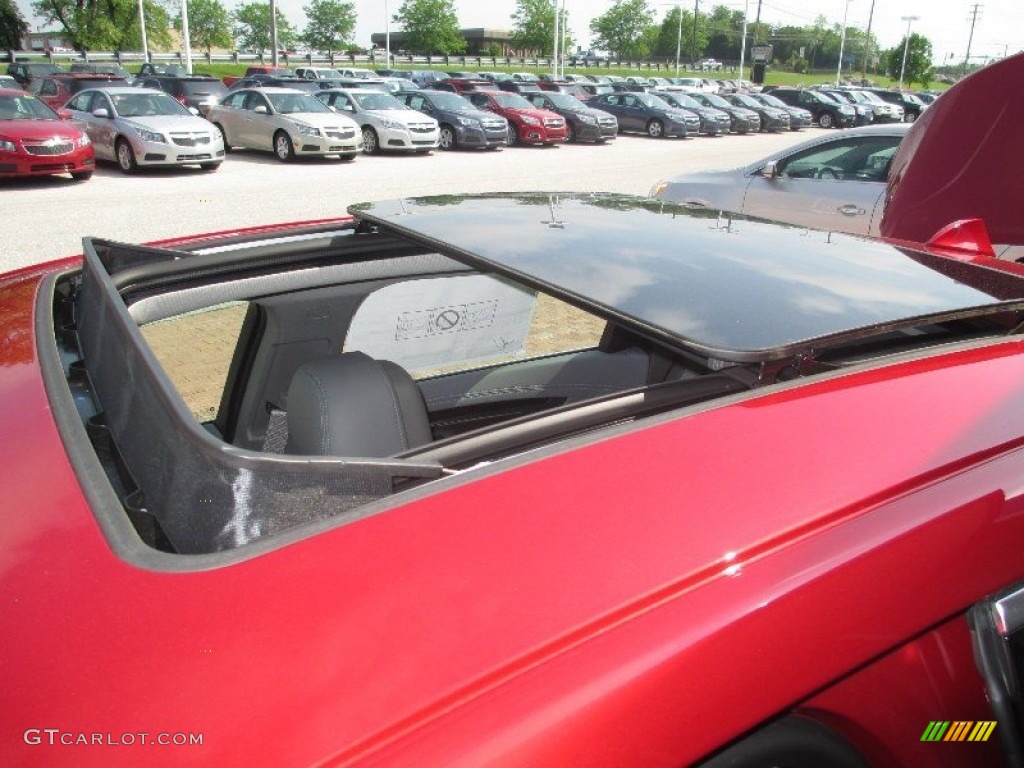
(451, 101)
(682, 100)
(773, 101)
(652, 101)
(712, 100)
(25, 107)
(512, 101)
(292, 103)
(146, 105)
(746, 101)
(376, 100)
(564, 100)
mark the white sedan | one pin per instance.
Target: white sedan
(145, 127)
(386, 123)
(284, 121)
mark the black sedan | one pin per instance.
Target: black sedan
(582, 122)
(647, 113)
(713, 122)
(798, 116)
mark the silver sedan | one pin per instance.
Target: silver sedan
(143, 127)
(834, 182)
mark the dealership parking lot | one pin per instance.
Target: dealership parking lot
(47, 217)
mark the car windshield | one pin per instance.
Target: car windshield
(564, 100)
(650, 100)
(377, 100)
(599, 88)
(512, 101)
(712, 100)
(451, 101)
(146, 105)
(746, 101)
(681, 100)
(773, 101)
(25, 107)
(293, 103)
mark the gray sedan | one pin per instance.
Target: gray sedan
(646, 113)
(144, 126)
(834, 182)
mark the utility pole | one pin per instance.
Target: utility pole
(693, 49)
(906, 44)
(757, 21)
(974, 18)
(867, 43)
(743, 38)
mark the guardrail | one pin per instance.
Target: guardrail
(378, 59)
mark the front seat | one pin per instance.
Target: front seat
(353, 405)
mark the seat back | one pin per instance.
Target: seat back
(353, 405)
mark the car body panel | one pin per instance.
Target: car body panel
(396, 128)
(139, 116)
(586, 123)
(849, 202)
(35, 141)
(935, 182)
(55, 90)
(529, 124)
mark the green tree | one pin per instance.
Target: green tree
(12, 26)
(209, 25)
(431, 26)
(626, 29)
(671, 35)
(919, 60)
(252, 27)
(106, 25)
(331, 25)
(534, 22)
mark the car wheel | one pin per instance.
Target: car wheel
(446, 140)
(909, 117)
(224, 136)
(209, 166)
(513, 135)
(283, 147)
(826, 121)
(81, 175)
(655, 129)
(570, 132)
(125, 156)
(370, 144)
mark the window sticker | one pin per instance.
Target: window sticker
(423, 324)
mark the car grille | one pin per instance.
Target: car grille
(50, 147)
(493, 125)
(53, 167)
(692, 121)
(723, 120)
(339, 133)
(607, 122)
(554, 122)
(190, 139)
(421, 128)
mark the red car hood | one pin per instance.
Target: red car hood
(39, 129)
(539, 114)
(962, 159)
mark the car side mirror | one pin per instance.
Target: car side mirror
(101, 112)
(261, 110)
(770, 170)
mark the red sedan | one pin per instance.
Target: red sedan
(36, 141)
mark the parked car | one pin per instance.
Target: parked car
(274, 81)
(259, 70)
(460, 123)
(799, 117)
(284, 121)
(772, 118)
(386, 123)
(586, 58)
(359, 72)
(141, 127)
(865, 113)
(36, 141)
(56, 90)
(7, 82)
(151, 69)
(526, 123)
(395, 85)
(741, 119)
(835, 182)
(596, 89)
(763, 512)
(912, 106)
(463, 85)
(713, 122)
(647, 113)
(885, 112)
(826, 112)
(582, 122)
(424, 77)
(574, 89)
(525, 77)
(197, 92)
(104, 68)
(27, 71)
(320, 73)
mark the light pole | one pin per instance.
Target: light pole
(387, 36)
(743, 38)
(906, 45)
(842, 42)
(554, 58)
(679, 37)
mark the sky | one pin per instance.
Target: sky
(998, 29)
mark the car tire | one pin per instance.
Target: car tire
(81, 175)
(513, 135)
(224, 137)
(570, 133)
(826, 121)
(446, 138)
(125, 156)
(371, 144)
(283, 147)
(655, 129)
(909, 117)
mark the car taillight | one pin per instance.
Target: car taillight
(965, 238)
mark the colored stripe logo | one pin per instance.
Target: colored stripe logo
(958, 730)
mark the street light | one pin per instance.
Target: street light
(906, 45)
(842, 42)
(387, 36)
